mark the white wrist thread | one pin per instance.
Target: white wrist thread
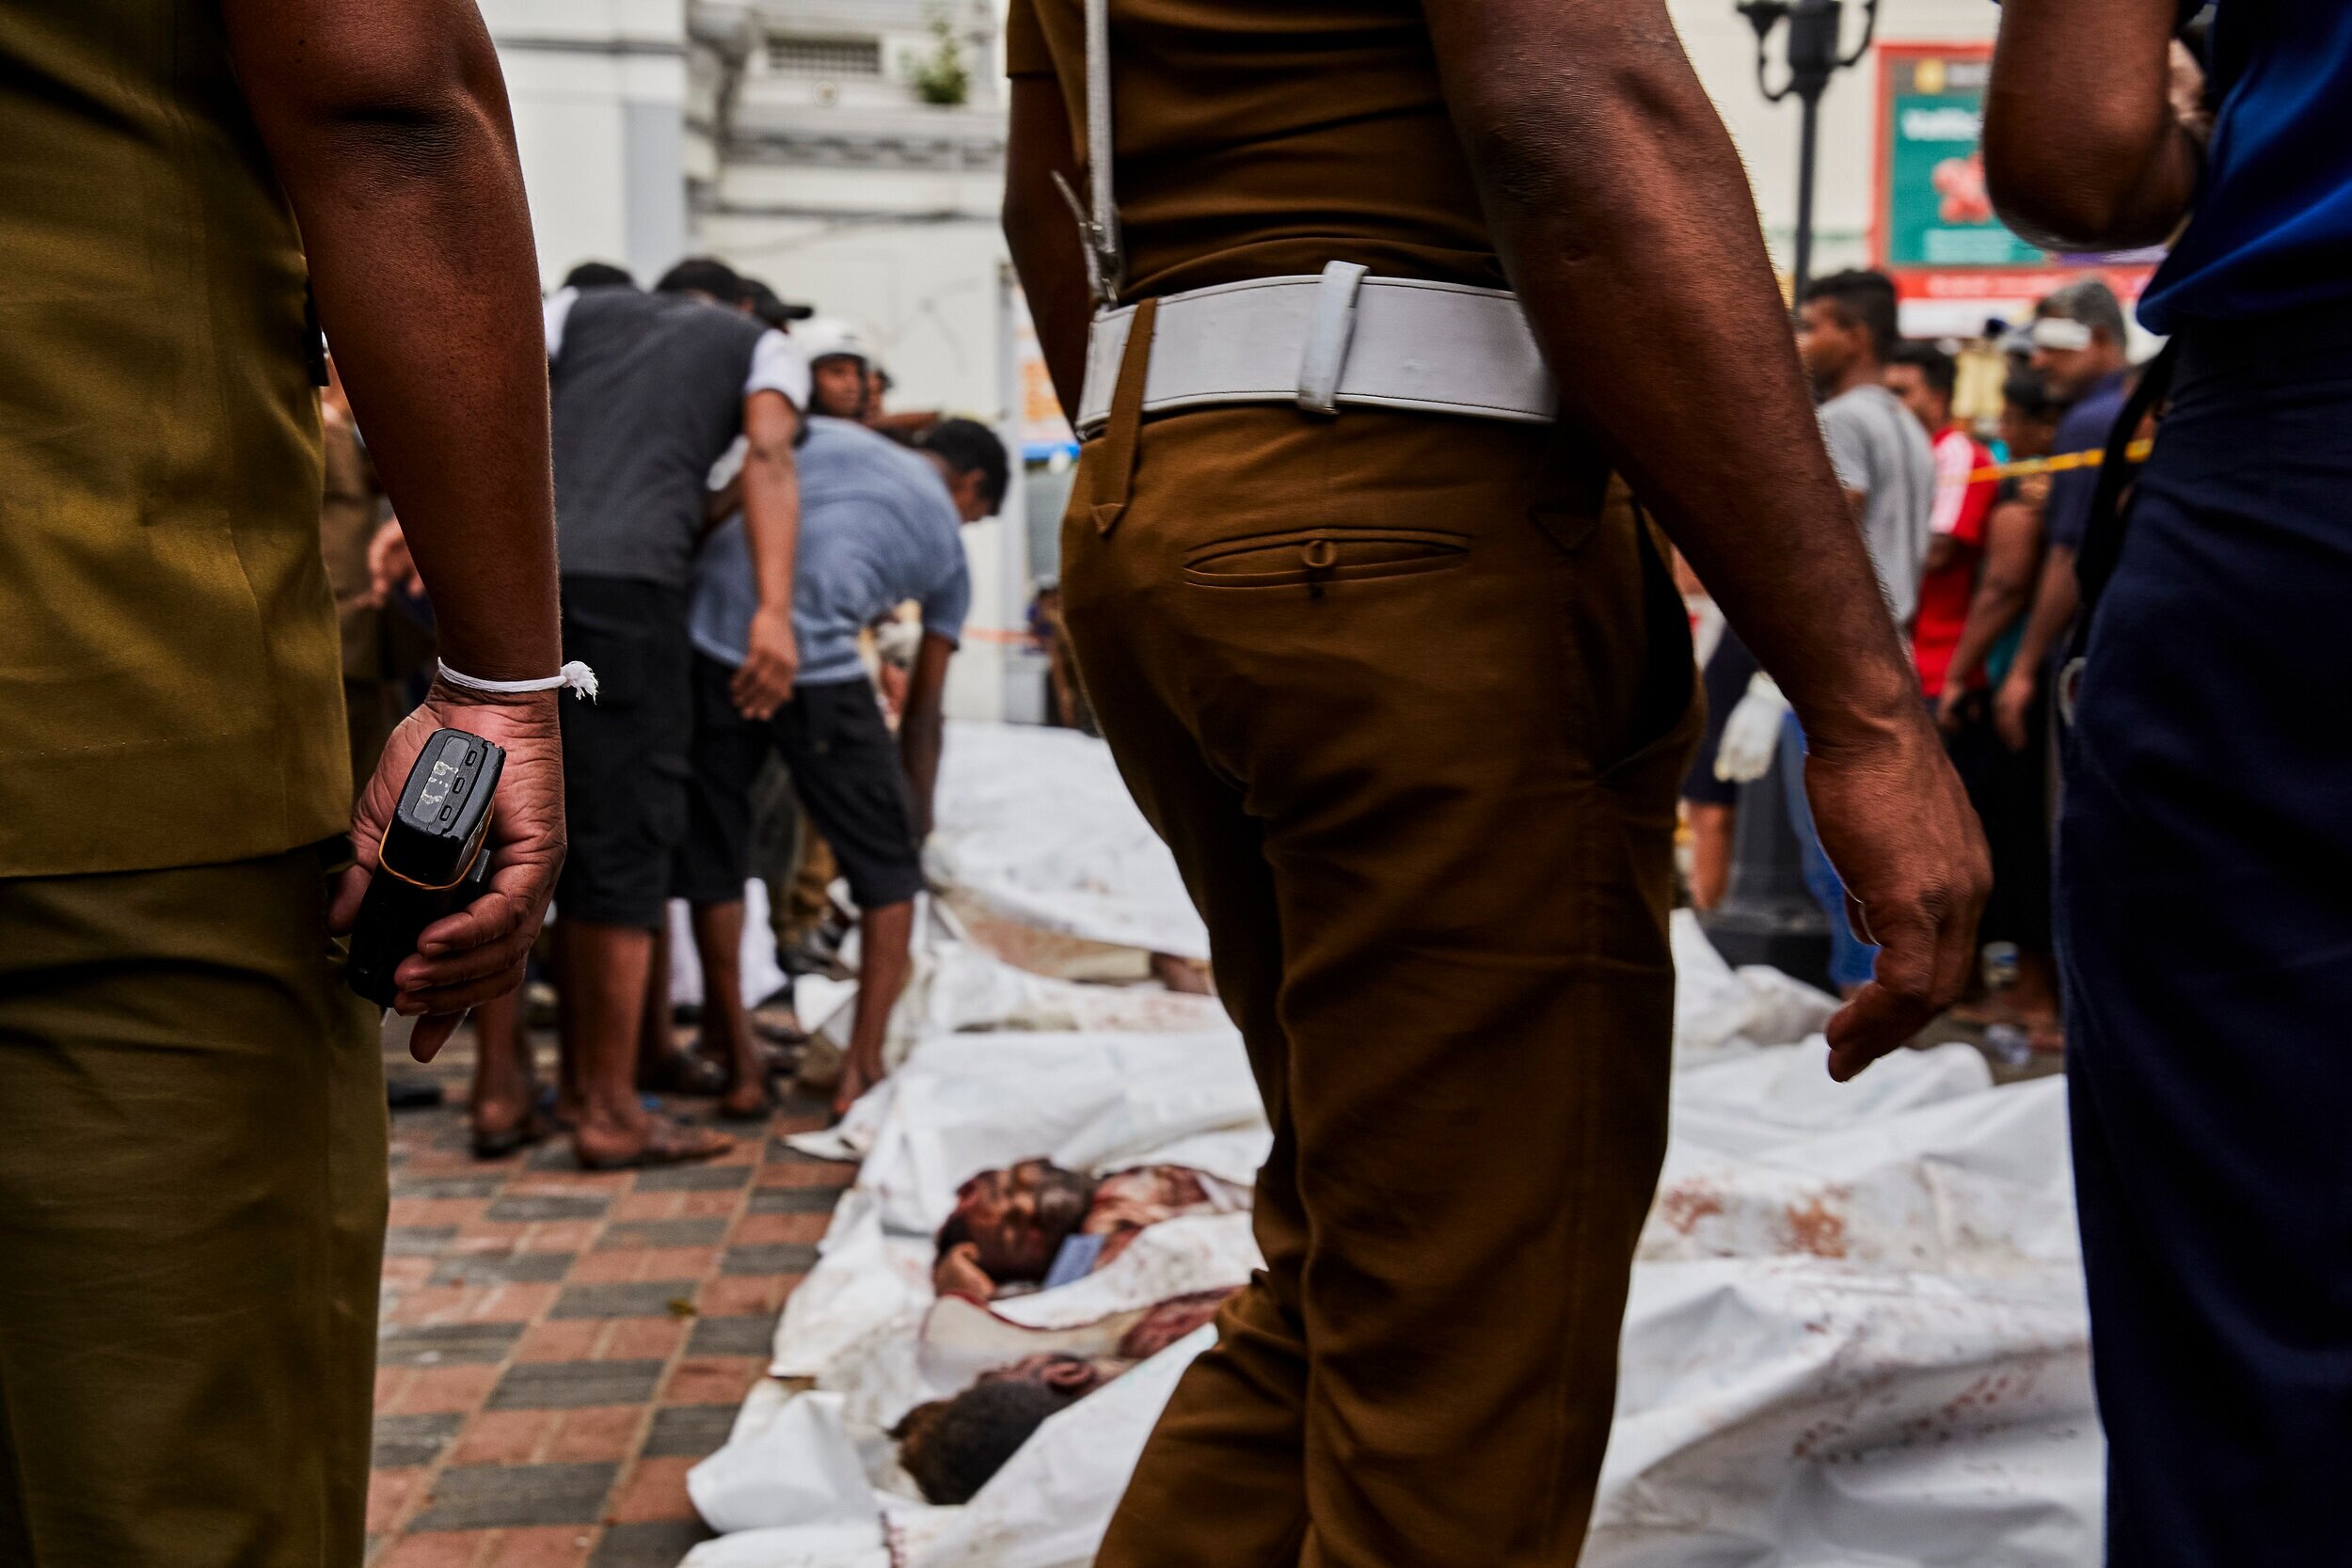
(575, 677)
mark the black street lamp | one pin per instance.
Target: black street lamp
(1768, 916)
(1814, 30)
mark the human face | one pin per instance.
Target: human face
(2069, 373)
(1829, 347)
(837, 385)
(1020, 1217)
(2024, 436)
(970, 489)
(1910, 384)
(2066, 373)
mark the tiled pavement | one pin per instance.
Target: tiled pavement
(560, 1347)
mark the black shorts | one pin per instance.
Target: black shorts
(845, 768)
(1729, 671)
(625, 755)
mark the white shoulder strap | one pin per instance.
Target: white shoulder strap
(1100, 145)
(1098, 228)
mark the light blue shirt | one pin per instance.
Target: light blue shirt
(878, 528)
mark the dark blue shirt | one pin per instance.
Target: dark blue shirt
(2083, 429)
(2273, 228)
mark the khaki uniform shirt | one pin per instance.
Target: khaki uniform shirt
(1264, 137)
(170, 688)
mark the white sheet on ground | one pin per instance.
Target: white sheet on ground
(1856, 1332)
(970, 1103)
(1036, 826)
(955, 987)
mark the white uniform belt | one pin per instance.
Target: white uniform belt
(1324, 343)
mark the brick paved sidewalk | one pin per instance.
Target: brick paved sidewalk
(560, 1347)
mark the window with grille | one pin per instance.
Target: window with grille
(805, 56)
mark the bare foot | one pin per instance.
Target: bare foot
(746, 1102)
(658, 1141)
(764, 1053)
(682, 1071)
(499, 1131)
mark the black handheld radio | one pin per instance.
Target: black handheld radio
(430, 863)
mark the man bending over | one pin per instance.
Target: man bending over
(878, 526)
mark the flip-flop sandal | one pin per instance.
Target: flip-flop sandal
(668, 1143)
(532, 1129)
(773, 1058)
(685, 1072)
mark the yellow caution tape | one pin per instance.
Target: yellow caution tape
(2055, 464)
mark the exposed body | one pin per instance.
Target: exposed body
(883, 528)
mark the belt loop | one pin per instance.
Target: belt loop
(1327, 337)
(1114, 460)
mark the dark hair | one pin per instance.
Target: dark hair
(2027, 394)
(963, 1442)
(1939, 370)
(598, 275)
(1863, 299)
(2090, 302)
(955, 1234)
(966, 444)
(771, 308)
(703, 275)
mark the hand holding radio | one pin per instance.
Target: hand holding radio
(474, 953)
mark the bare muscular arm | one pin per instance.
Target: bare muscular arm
(2056, 598)
(389, 130)
(771, 530)
(2083, 150)
(1624, 218)
(923, 725)
(2012, 555)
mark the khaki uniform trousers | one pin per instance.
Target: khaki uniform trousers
(192, 1203)
(1409, 706)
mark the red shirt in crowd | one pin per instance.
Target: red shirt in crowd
(1961, 510)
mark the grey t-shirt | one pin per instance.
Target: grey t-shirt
(648, 389)
(1883, 451)
(877, 529)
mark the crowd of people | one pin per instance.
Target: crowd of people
(761, 565)
(1973, 526)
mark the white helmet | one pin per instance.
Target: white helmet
(831, 337)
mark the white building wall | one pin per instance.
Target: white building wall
(598, 88)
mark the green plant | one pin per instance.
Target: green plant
(943, 78)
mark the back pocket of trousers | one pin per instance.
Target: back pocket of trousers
(1310, 558)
